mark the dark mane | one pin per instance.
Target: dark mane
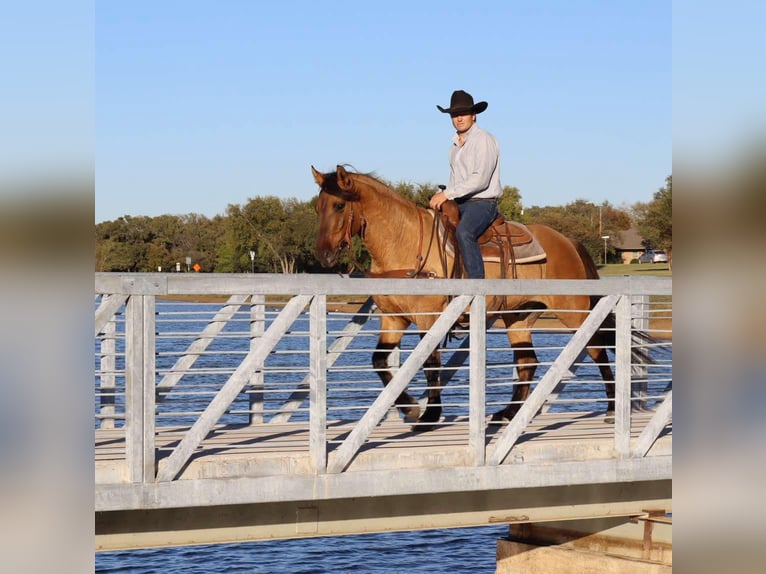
(330, 185)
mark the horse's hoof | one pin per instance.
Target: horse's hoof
(499, 417)
(504, 416)
(410, 415)
(422, 427)
(431, 415)
(428, 420)
(609, 417)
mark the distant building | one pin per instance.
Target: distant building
(629, 247)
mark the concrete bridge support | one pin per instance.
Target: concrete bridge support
(617, 545)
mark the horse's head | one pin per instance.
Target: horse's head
(339, 221)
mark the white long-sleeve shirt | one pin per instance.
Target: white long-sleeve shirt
(474, 166)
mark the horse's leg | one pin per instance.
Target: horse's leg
(600, 357)
(432, 367)
(520, 338)
(392, 329)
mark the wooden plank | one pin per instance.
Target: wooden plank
(340, 344)
(106, 310)
(622, 378)
(318, 378)
(398, 383)
(659, 421)
(478, 380)
(551, 378)
(228, 393)
(200, 344)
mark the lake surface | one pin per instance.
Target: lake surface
(457, 550)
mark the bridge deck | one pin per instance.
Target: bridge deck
(283, 449)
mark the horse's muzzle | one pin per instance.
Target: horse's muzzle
(329, 257)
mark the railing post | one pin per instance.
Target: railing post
(318, 383)
(622, 377)
(640, 322)
(107, 378)
(140, 387)
(477, 380)
(257, 328)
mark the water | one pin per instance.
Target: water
(458, 550)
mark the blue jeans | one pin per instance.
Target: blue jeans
(475, 217)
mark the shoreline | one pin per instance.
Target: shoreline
(547, 322)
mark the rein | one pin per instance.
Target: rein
(416, 272)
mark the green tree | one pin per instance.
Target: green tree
(122, 244)
(654, 219)
(303, 237)
(418, 193)
(509, 204)
(232, 252)
(280, 232)
(583, 221)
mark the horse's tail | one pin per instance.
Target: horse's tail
(591, 271)
(640, 341)
(607, 334)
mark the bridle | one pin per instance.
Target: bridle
(420, 259)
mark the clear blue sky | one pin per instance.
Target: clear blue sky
(201, 104)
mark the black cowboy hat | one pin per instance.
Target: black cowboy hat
(461, 103)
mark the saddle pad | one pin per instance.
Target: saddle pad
(526, 248)
(528, 253)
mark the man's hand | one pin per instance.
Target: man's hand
(437, 200)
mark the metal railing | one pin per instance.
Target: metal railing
(284, 349)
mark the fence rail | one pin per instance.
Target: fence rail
(175, 376)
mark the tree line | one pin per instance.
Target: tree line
(275, 235)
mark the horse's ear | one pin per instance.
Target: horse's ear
(318, 177)
(344, 179)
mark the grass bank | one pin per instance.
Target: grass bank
(612, 269)
(656, 324)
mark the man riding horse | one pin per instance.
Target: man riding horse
(474, 182)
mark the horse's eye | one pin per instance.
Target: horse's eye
(340, 206)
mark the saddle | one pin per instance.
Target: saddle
(506, 242)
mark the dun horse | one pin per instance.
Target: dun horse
(354, 204)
